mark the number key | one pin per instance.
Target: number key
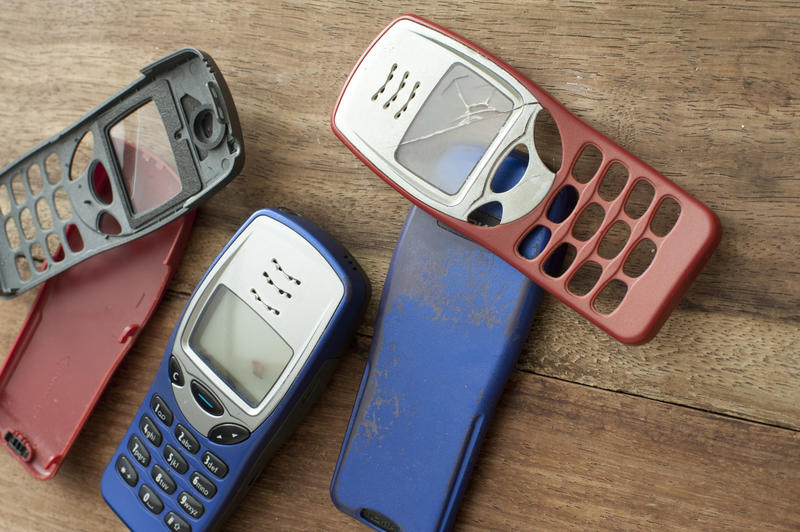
(175, 460)
(150, 431)
(190, 505)
(150, 499)
(186, 439)
(138, 450)
(161, 409)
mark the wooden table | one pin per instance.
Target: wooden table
(700, 428)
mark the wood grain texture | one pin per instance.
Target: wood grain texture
(707, 93)
(557, 455)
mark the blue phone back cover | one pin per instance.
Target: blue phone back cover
(451, 323)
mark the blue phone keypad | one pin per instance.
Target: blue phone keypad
(161, 484)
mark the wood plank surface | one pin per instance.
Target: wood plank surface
(697, 429)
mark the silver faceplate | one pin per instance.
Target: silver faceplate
(300, 319)
(377, 109)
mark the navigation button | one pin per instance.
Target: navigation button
(160, 408)
(215, 464)
(175, 371)
(138, 450)
(186, 439)
(206, 399)
(228, 434)
(127, 472)
(150, 431)
(150, 499)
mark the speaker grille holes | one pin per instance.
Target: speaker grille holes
(399, 88)
(588, 222)
(23, 268)
(487, 215)
(560, 260)
(62, 204)
(534, 242)
(18, 189)
(640, 258)
(74, 238)
(35, 179)
(614, 240)
(268, 307)
(270, 282)
(101, 186)
(610, 297)
(54, 248)
(613, 181)
(410, 97)
(666, 217)
(639, 199)
(582, 281)
(12, 233)
(588, 164)
(5, 201)
(388, 79)
(82, 156)
(547, 140)
(52, 168)
(44, 214)
(278, 267)
(108, 225)
(28, 225)
(39, 258)
(511, 170)
(563, 204)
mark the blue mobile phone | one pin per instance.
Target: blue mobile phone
(255, 344)
(451, 323)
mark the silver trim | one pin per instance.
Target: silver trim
(376, 130)
(301, 320)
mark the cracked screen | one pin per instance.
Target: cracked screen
(453, 129)
(240, 347)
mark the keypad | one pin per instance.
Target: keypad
(228, 434)
(163, 480)
(206, 398)
(206, 488)
(175, 371)
(215, 464)
(175, 523)
(166, 480)
(138, 450)
(161, 410)
(175, 460)
(150, 499)
(190, 505)
(127, 471)
(186, 439)
(150, 430)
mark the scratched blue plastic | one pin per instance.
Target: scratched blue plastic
(241, 457)
(451, 323)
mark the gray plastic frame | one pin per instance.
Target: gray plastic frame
(204, 165)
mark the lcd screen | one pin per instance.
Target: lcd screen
(241, 348)
(453, 128)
